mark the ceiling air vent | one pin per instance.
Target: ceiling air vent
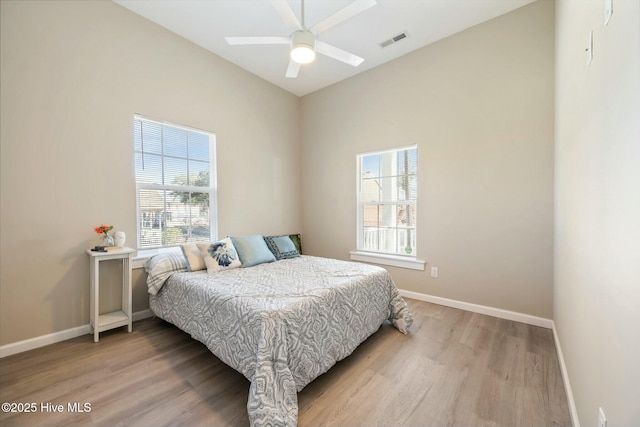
(394, 39)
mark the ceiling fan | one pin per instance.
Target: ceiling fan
(304, 41)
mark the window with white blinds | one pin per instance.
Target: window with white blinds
(175, 184)
(387, 196)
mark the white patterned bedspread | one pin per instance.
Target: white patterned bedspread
(282, 324)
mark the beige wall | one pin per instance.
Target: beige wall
(479, 105)
(597, 234)
(73, 74)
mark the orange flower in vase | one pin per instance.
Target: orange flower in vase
(105, 238)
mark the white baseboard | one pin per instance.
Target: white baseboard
(144, 314)
(41, 341)
(565, 379)
(482, 309)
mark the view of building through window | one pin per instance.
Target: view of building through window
(175, 183)
(387, 201)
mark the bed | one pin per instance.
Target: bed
(281, 324)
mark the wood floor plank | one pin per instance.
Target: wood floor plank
(455, 368)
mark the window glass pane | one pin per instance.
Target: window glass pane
(199, 222)
(388, 166)
(175, 171)
(406, 215)
(177, 217)
(401, 215)
(175, 141)
(198, 146)
(407, 161)
(137, 135)
(412, 187)
(200, 206)
(371, 215)
(371, 165)
(389, 189)
(404, 187)
(150, 217)
(387, 240)
(198, 174)
(148, 168)
(406, 239)
(370, 188)
(370, 239)
(387, 216)
(148, 137)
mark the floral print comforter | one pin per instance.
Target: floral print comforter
(282, 324)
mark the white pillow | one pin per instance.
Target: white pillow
(220, 255)
(195, 261)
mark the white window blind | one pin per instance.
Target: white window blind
(387, 196)
(175, 184)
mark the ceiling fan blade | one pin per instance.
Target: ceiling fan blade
(285, 12)
(342, 15)
(292, 70)
(257, 40)
(339, 54)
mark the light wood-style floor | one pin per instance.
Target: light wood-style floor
(455, 368)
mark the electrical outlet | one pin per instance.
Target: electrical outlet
(434, 271)
(602, 420)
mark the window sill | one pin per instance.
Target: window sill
(144, 254)
(392, 260)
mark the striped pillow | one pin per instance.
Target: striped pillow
(160, 267)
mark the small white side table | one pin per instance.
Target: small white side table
(106, 321)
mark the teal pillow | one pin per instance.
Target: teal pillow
(252, 250)
(282, 247)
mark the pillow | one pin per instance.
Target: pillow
(252, 250)
(281, 246)
(220, 255)
(193, 255)
(295, 238)
(160, 267)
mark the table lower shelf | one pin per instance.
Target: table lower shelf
(112, 320)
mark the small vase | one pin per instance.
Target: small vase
(119, 238)
(106, 240)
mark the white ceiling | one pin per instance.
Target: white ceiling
(207, 22)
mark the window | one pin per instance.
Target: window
(387, 195)
(175, 184)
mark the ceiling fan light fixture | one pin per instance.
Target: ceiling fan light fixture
(302, 54)
(303, 47)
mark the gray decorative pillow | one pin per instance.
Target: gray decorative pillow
(282, 247)
(220, 255)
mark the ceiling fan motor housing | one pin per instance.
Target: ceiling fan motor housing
(303, 46)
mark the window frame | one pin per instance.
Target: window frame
(211, 189)
(383, 257)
